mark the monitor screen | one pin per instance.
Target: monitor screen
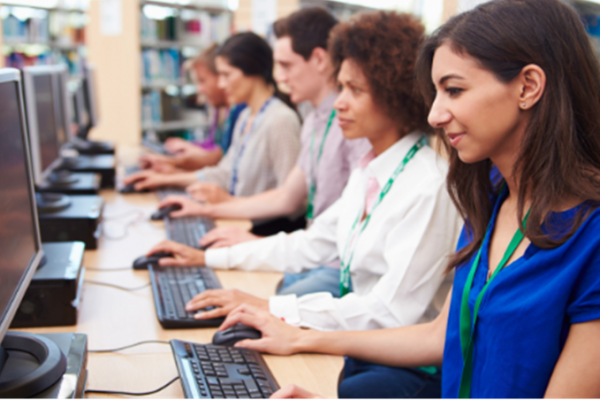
(19, 238)
(46, 120)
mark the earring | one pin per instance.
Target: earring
(523, 105)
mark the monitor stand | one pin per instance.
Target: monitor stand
(30, 365)
(62, 177)
(51, 202)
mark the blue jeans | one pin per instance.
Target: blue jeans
(367, 380)
(322, 279)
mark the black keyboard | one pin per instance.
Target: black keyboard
(188, 230)
(173, 287)
(219, 372)
(170, 191)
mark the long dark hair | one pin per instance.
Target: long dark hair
(253, 55)
(560, 152)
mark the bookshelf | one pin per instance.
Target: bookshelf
(170, 36)
(36, 35)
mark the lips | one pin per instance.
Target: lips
(344, 122)
(455, 138)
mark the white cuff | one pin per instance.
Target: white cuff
(286, 308)
(217, 258)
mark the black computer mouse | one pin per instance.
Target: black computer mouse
(164, 211)
(130, 188)
(238, 332)
(143, 261)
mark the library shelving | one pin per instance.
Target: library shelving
(36, 35)
(170, 36)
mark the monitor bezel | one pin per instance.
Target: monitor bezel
(78, 109)
(39, 174)
(62, 75)
(14, 76)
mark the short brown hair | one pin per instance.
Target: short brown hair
(385, 45)
(308, 29)
(207, 58)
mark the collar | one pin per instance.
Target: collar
(383, 166)
(324, 108)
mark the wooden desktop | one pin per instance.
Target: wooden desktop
(113, 318)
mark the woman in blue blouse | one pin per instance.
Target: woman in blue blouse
(516, 97)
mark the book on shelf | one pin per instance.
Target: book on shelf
(161, 65)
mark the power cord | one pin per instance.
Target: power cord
(130, 346)
(139, 218)
(112, 285)
(166, 385)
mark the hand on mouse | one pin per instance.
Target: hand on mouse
(159, 163)
(278, 337)
(146, 180)
(294, 392)
(189, 207)
(226, 236)
(209, 192)
(184, 256)
(225, 300)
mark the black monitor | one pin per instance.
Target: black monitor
(42, 117)
(87, 102)
(61, 82)
(81, 116)
(21, 250)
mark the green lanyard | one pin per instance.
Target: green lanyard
(345, 268)
(313, 176)
(467, 325)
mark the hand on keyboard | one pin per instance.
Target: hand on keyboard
(189, 207)
(226, 300)
(209, 192)
(158, 163)
(226, 236)
(184, 256)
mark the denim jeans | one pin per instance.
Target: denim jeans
(367, 380)
(322, 279)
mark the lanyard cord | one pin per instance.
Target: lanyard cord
(314, 166)
(246, 138)
(468, 323)
(345, 267)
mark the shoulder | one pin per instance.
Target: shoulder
(278, 111)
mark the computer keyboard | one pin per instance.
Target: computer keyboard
(188, 230)
(173, 287)
(219, 372)
(170, 191)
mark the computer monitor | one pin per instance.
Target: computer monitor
(86, 102)
(61, 82)
(21, 249)
(80, 113)
(42, 102)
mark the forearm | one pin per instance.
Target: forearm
(271, 204)
(205, 159)
(182, 179)
(410, 346)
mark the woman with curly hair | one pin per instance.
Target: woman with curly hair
(516, 89)
(393, 226)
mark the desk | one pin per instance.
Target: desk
(113, 318)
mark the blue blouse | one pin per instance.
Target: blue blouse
(525, 316)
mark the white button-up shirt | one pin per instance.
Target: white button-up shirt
(399, 258)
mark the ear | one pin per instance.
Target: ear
(320, 58)
(533, 85)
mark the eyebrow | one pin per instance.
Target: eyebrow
(451, 76)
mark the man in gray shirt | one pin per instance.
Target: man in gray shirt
(326, 157)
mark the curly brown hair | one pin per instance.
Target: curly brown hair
(385, 46)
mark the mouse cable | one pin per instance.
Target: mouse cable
(130, 346)
(108, 269)
(166, 385)
(112, 285)
(138, 213)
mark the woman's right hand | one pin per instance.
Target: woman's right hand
(183, 256)
(295, 392)
(158, 163)
(278, 337)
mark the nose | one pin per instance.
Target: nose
(340, 103)
(439, 115)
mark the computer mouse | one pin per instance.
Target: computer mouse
(164, 211)
(238, 332)
(143, 261)
(130, 188)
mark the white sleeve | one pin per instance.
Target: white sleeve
(294, 252)
(415, 252)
